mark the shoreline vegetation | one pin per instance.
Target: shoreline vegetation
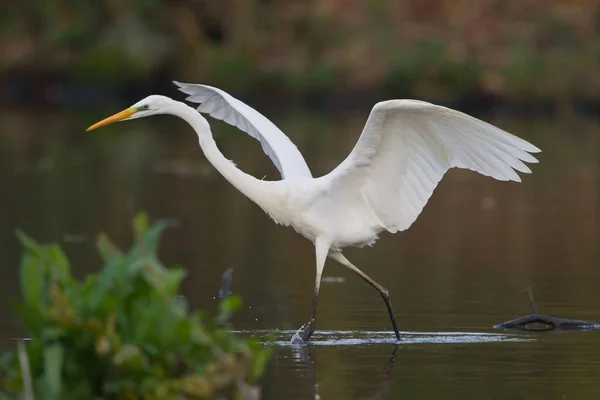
(542, 55)
(124, 332)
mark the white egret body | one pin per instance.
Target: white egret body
(403, 152)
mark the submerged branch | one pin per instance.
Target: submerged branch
(536, 322)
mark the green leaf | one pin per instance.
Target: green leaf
(141, 225)
(31, 317)
(53, 365)
(130, 356)
(145, 322)
(104, 284)
(149, 242)
(59, 264)
(227, 306)
(29, 243)
(51, 334)
(107, 248)
(198, 331)
(166, 280)
(230, 304)
(32, 281)
(61, 308)
(259, 363)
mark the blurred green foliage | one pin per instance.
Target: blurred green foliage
(123, 333)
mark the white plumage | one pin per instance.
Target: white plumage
(221, 105)
(405, 149)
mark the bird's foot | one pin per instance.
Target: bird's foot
(307, 330)
(304, 333)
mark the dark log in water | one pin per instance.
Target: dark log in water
(536, 322)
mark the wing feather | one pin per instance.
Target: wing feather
(220, 105)
(406, 148)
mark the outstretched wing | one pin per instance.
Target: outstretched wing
(405, 149)
(221, 105)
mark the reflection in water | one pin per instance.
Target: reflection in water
(384, 385)
(305, 364)
(460, 268)
(304, 356)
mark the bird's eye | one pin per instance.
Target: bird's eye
(145, 107)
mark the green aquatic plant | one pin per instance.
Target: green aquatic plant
(123, 333)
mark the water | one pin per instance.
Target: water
(460, 269)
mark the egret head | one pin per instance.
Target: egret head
(151, 105)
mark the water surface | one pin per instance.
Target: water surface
(459, 270)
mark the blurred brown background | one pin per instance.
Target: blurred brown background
(545, 50)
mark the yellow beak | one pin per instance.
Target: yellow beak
(113, 118)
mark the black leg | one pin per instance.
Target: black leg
(321, 251)
(309, 328)
(385, 294)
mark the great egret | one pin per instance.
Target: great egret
(404, 150)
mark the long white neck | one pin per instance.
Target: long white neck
(263, 193)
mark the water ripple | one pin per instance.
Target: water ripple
(357, 338)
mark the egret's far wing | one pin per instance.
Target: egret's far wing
(221, 105)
